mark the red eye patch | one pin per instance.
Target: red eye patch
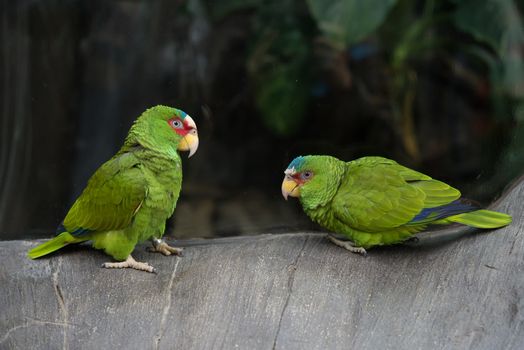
(298, 178)
(179, 126)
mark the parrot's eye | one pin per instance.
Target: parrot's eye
(177, 124)
(306, 175)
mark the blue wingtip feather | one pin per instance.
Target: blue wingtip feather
(443, 211)
(76, 232)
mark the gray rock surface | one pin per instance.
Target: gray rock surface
(290, 291)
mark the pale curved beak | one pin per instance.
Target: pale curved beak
(290, 187)
(190, 141)
(190, 122)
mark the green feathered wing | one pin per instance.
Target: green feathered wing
(109, 203)
(381, 202)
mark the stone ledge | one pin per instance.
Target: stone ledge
(289, 291)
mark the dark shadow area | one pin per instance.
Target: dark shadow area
(436, 85)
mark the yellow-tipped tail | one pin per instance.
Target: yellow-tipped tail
(52, 245)
(485, 219)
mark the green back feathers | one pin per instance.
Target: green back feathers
(374, 195)
(111, 198)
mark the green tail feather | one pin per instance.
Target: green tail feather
(56, 243)
(482, 219)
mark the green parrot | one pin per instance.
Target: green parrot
(376, 201)
(129, 198)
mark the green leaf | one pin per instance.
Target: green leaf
(346, 22)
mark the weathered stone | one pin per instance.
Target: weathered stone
(290, 291)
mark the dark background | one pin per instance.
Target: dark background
(435, 85)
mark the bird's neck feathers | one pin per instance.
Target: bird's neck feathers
(153, 138)
(324, 187)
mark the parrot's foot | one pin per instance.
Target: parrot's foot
(162, 247)
(347, 245)
(130, 263)
(413, 240)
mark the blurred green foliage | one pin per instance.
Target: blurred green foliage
(498, 24)
(480, 42)
(281, 64)
(278, 65)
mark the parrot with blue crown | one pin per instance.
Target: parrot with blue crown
(375, 201)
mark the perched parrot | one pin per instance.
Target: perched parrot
(129, 198)
(376, 201)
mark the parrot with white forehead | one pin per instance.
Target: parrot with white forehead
(375, 201)
(130, 197)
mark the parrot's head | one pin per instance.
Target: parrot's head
(165, 128)
(313, 179)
